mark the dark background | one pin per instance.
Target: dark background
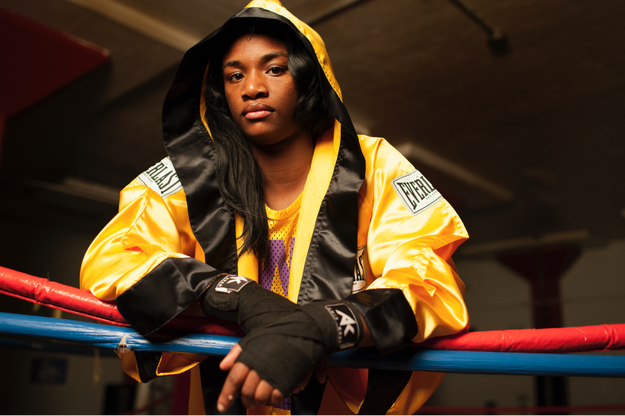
(528, 145)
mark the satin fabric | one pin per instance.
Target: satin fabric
(400, 250)
(407, 252)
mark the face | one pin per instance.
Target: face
(260, 90)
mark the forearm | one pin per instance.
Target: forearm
(194, 309)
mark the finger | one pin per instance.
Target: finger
(276, 397)
(230, 358)
(248, 390)
(263, 393)
(303, 383)
(234, 380)
(320, 370)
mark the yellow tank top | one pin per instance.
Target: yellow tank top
(275, 270)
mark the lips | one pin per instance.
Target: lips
(256, 111)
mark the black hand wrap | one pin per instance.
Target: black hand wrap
(284, 352)
(236, 298)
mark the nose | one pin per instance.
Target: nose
(254, 86)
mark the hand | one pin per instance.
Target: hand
(320, 373)
(286, 352)
(320, 370)
(254, 390)
(238, 299)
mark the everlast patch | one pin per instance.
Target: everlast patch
(161, 178)
(347, 328)
(232, 283)
(416, 192)
(360, 270)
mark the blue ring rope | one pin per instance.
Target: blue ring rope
(473, 362)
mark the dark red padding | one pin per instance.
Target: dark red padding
(573, 339)
(73, 300)
(76, 301)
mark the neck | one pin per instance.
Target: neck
(285, 166)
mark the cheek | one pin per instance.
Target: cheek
(291, 97)
(230, 101)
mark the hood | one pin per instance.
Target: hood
(326, 243)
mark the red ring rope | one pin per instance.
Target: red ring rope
(76, 301)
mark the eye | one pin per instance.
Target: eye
(237, 76)
(276, 70)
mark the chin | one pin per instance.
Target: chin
(262, 139)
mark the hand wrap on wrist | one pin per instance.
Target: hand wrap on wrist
(239, 299)
(389, 317)
(284, 352)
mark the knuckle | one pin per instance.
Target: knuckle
(262, 396)
(247, 392)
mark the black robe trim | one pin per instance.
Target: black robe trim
(149, 304)
(383, 389)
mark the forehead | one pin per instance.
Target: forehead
(253, 46)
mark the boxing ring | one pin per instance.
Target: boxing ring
(513, 352)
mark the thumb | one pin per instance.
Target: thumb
(229, 360)
(320, 370)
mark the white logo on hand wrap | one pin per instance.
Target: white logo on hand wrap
(347, 328)
(347, 323)
(232, 283)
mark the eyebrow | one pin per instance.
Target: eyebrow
(265, 58)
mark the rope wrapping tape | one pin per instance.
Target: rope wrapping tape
(475, 362)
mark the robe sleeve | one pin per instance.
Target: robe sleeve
(147, 259)
(412, 235)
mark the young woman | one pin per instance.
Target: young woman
(270, 211)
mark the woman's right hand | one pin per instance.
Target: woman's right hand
(254, 390)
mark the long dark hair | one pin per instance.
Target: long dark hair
(238, 174)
